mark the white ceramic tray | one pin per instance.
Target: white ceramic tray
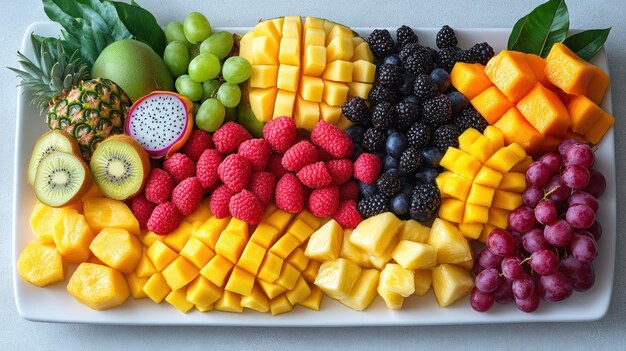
(54, 304)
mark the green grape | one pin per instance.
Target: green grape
(176, 58)
(174, 32)
(229, 95)
(209, 88)
(196, 27)
(210, 115)
(204, 67)
(188, 87)
(218, 44)
(236, 70)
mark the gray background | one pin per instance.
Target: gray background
(16, 333)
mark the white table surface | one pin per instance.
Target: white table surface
(608, 333)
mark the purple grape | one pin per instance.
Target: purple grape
(583, 247)
(532, 196)
(522, 219)
(575, 176)
(501, 243)
(558, 233)
(481, 301)
(580, 274)
(595, 230)
(517, 238)
(544, 262)
(503, 293)
(488, 259)
(554, 287)
(533, 241)
(553, 161)
(477, 269)
(556, 189)
(511, 267)
(597, 184)
(580, 197)
(580, 154)
(523, 287)
(545, 212)
(529, 305)
(488, 280)
(580, 216)
(566, 144)
(537, 174)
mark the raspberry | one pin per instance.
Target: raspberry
(206, 168)
(187, 195)
(349, 191)
(257, 151)
(198, 141)
(280, 133)
(142, 209)
(275, 166)
(315, 175)
(289, 194)
(367, 168)
(301, 154)
(164, 219)
(180, 167)
(247, 207)
(235, 172)
(332, 140)
(159, 186)
(263, 184)
(347, 215)
(340, 170)
(228, 137)
(219, 201)
(323, 202)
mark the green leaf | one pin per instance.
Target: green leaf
(142, 25)
(587, 43)
(545, 25)
(515, 32)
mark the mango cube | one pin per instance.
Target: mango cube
(230, 245)
(270, 267)
(544, 110)
(288, 276)
(325, 243)
(285, 103)
(337, 277)
(289, 52)
(335, 93)
(602, 125)
(285, 246)
(217, 270)
(177, 298)
(488, 177)
(472, 230)
(338, 71)
(314, 300)
(269, 289)
(135, 285)
(256, 300)
(298, 259)
(469, 79)
(517, 130)
(467, 166)
(240, 282)
(160, 255)
(265, 50)
(252, 257)
(117, 248)
(279, 219)
(506, 200)
(300, 230)
(481, 148)
(495, 136)
(450, 283)
(177, 239)
(314, 60)
(280, 305)
(205, 308)
(363, 71)
(452, 210)
(498, 217)
(491, 104)
(313, 22)
(413, 230)
(265, 235)
(467, 138)
(292, 27)
(511, 74)
(40, 264)
(457, 187)
(262, 102)
(200, 215)
(374, 234)
(299, 292)
(306, 114)
(309, 219)
(480, 195)
(568, 71)
(364, 291)
(98, 287)
(311, 88)
(210, 231)
(229, 302)
(339, 48)
(597, 86)
(362, 52)
(310, 273)
(156, 288)
(145, 268)
(423, 280)
(263, 76)
(179, 273)
(359, 89)
(412, 255)
(313, 36)
(513, 181)
(338, 30)
(72, 237)
(476, 213)
(583, 113)
(102, 212)
(196, 252)
(504, 159)
(202, 292)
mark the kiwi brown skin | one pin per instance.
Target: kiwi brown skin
(33, 164)
(88, 181)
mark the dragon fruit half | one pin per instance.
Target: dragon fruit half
(161, 122)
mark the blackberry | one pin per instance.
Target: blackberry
(418, 135)
(389, 183)
(373, 205)
(408, 82)
(380, 42)
(389, 75)
(447, 58)
(406, 115)
(437, 111)
(373, 140)
(425, 200)
(410, 161)
(405, 35)
(419, 62)
(355, 110)
(382, 115)
(408, 50)
(446, 38)
(481, 52)
(433, 53)
(381, 93)
(425, 87)
(445, 136)
(470, 118)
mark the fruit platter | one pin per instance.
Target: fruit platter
(300, 172)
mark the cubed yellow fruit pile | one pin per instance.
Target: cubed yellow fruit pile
(391, 258)
(483, 182)
(305, 70)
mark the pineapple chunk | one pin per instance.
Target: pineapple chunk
(337, 278)
(380, 261)
(412, 255)
(102, 212)
(256, 300)
(325, 243)
(396, 279)
(423, 281)
(450, 283)
(117, 248)
(72, 237)
(364, 290)
(414, 231)
(353, 253)
(394, 301)
(98, 287)
(375, 233)
(40, 264)
(43, 220)
(452, 247)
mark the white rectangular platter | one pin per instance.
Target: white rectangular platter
(54, 304)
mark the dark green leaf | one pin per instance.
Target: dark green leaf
(142, 25)
(515, 32)
(547, 24)
(134, 3)
(587, 43)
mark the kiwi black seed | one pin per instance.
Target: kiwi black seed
(120, 167)
(54, 140)
(61, 179)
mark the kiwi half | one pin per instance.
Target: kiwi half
(54, 140)
(61, 179)
(120, 167)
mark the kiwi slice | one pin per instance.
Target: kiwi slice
(54, 140)
(120, 167)
(61, 179)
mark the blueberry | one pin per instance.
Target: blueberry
(399, 204)
(458, 100)
(356, 133)
(368, 190)
(390, 162)
(441, 78)
(392, 60)
(408, 82)
(396, 144)
(411, 99)
(431, 156)
(426, 175)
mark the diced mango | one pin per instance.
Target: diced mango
(285, 103)
(488, 177)
(300, 230)
(179, 273)
(339, 48)
(299, 292)
(467, 138)
(544, 110)
(43, 220)
(98, 287)
(452, 210)
(498, 218)
(298, 259)
(476, 214)
(280, 305)
(364, 291)
(362, 52)
(374, 234)
(602, 125)
(265, 50)
(245, 46)
(217, 270)
(469, 79)
(335, 93)
(598, 84)
(306, 114)
(337, 278)
(102, 212)
(292, 27)
(314, 36)
(177, 239)
(72, 236)
(466, 166)
(251, 257)
(481, 149)
(314, 61)
(471, 230)
(270, 268)
(457, 187)
(310, 273)
(202, 292)
(567, 71)
(338, 71)
(205, 308)
(289, 53)
(269, 289)
(423, 280)
(311, 88)
(279, 219)
(240, 282)
(210, 231)
(200, 215)
(256, 300)
(262, 102)
(504, 159)
(538, 65)
(230, 245)
(344, 123)
(314, 300)
(178, 299)
(511, 74)
(583, 113)
(513, 181)
(196, 252)
(229, 302)
(517, 130)
(117, 248)
(271, 28)
(285, 246)
(145, 268)
(288, 77)
(135, 285)
(506, 200)
(359, 89)
(491, 104)
(480, 195)
(413, 255)
(160, 255)
(363, 71)
(495, 136)
(263, 76)
(288, 276)
(40, 264)
(313, 22)
(156, 288)
(309, 219)
(441, 180)
(265, 235)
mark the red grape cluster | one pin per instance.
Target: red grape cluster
(551, 242)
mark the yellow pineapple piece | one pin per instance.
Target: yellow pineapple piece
(375, 233)
(40, 264)
(98, 287)
(210, 231)
(325, 243)
(452, 247)
(300, 230)
(364, 290)
(196, 252)
(94, 259)
(299, 292)
(450, 283)
(217, 270)
(298, 259)
(72, 237)
(229, 302)
(314, 300)
(177, 239)
(102, 212)
(380, 261)
(117, 248)
(279, 305)
(179, 273)
(156, 288)
(394, 301)
(310, 273)
(256, 300)
(270, 267)
(288, 276)
(145, 268)
(423, 280)
(252, 257)
(240, 282)
(396, 279)
(160, 255)
(135, 285)
(178, 299)
(337, 278)
(413, 231)
(230, 245)
(467, 265)
(269, 289)
(265, 235)
(279, 220)
(285, 246)
(43, 220)
(412, 255)
(202, 292)
(353, 253)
